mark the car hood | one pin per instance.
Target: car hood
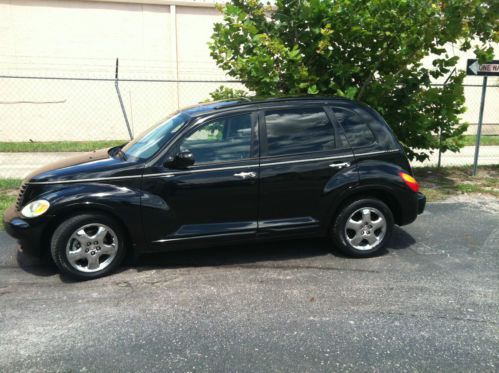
(91, 165)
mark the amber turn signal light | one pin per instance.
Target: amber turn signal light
(409, 181)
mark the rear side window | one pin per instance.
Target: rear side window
(292, 131)
(357, 131)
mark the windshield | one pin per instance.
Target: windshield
(149, 142)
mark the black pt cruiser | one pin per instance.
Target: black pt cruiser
(220, 173)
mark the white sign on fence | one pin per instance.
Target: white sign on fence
(485, 69)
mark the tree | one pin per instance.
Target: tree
(224, 92)
(370, 51)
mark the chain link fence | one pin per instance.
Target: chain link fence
(45, 119)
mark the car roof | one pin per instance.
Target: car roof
(213, 106)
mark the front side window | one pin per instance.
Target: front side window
(357, 131)
(300, 130)
(221, 140)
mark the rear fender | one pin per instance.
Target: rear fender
(381, 180)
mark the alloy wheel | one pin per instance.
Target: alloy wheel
(92, 247)
(365, 228)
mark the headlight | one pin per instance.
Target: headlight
(35, 208)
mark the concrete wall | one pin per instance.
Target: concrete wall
(82, 39)
(154, 39)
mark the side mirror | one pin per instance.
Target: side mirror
(181, 160)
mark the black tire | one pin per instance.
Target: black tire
(62, 238)
(343, 236)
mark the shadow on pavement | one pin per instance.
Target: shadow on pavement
(36, 266)
(246, 254)
(400, 239)
(237, 254)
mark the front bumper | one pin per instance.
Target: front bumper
(28, 232)
(421, 198)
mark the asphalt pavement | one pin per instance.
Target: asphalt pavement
(429, 303)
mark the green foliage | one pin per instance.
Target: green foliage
(224, 93)
(371, 51)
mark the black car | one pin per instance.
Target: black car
(221, 173)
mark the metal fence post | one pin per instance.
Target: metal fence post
(116, 85)
(479, 129)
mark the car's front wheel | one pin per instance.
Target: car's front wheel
(363, 227)
(88, 246)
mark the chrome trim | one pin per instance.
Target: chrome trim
(164, 174)
(244, 175)
(340, 165)
(203, 236)
(83, 180)
(378, 152)
(173, 173)
(307, 160)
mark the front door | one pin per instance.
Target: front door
(216, 197)
(301, 153)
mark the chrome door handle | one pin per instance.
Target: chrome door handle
(245, 175)
(340, 165)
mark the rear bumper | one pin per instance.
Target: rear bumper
(412, 205)
(28, 232)
(421, 198)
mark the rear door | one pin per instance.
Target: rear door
(301, 151)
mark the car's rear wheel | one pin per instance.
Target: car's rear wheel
(88, 246)
(363, 227)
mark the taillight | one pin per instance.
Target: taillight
(409, 181)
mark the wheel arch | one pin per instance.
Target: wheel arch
(71, 211)
(381, 193)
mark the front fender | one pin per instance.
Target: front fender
(120, 201)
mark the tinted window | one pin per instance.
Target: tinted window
(224, 139)
(357, 131)
(292, 131)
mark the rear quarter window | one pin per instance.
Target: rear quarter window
(365, 127)
(357, 131)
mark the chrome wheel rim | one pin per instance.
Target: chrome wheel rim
(92, 247)
(365, 228)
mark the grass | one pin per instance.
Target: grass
(441, 183)
(470, 140)
(5, 202)
(58, 146)
(8, 191)
(6, 184)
